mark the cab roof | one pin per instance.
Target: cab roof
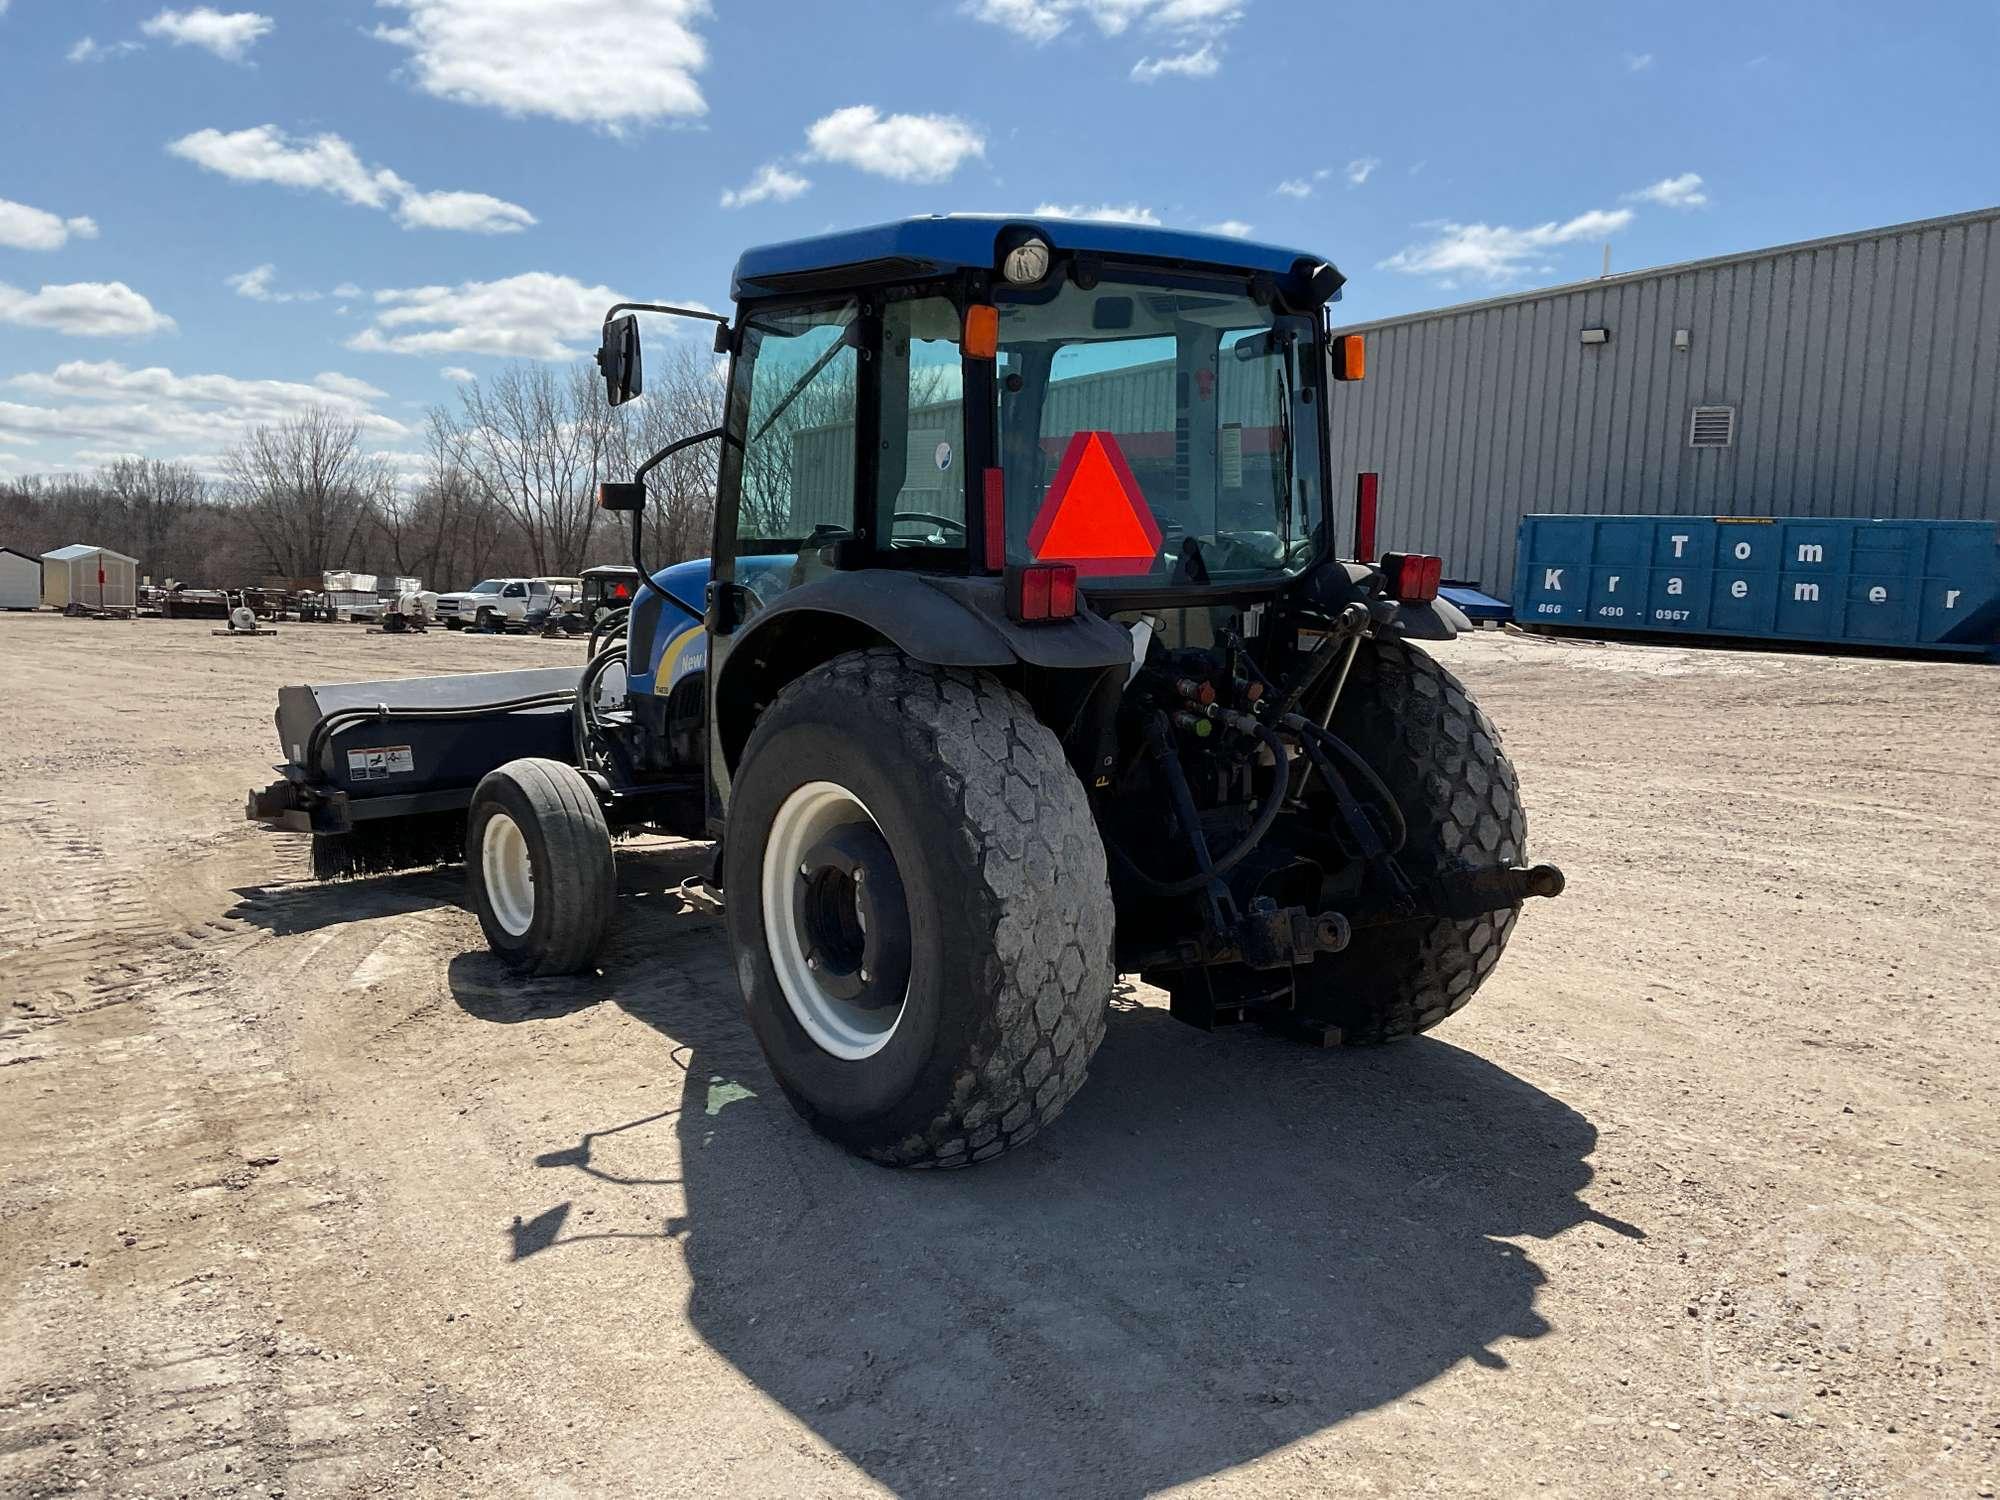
(913, 249)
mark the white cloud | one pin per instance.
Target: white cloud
(90, 309)
(264, 153)
(772, 183)
(347, 289)
(25, 228)
(610, 63)
(1041, 21)
(1104, 213)
(1638, 62)
(906, 148)
(89, 50)
(1496, 252)
(328, 164)
(256, 285)
(1200, 63)
(475, 213)
(1361, 169)
(1295, 187)
(229, 36)
(1236, 229)
(348, 386)
(116, 408)
(1684, 191)
(457, 374)
(535, 315)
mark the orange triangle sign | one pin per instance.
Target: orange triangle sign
(1095, 515)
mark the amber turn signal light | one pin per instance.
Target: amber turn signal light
(1350, 357)
(982, 331)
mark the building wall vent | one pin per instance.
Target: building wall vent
(1712, 427)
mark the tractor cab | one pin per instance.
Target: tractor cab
(1026, 414)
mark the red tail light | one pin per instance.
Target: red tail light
(1412, 577)
(1041, 591)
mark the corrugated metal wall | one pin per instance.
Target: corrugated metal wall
(1863, 372)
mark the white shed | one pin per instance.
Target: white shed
(20, 580)
(95, 577)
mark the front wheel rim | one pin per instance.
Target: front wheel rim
(803, 822)
(510, 874)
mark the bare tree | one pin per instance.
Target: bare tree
(156, 497)
(306, 490)
(443, 528)
(535, 441)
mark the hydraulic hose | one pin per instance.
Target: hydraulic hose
(1267, 814)
(1329, 743)
(340, 718)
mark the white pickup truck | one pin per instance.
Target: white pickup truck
(496, 603)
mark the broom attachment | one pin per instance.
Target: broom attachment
(378, 846)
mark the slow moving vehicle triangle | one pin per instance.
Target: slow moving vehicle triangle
(1095, 515)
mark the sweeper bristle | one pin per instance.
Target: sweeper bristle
(422, 842)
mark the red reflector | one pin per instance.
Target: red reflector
(1366, 490)
(1413, 577)
(1096, 515)
(1062, 591)
(1041, 591)
(996, 520)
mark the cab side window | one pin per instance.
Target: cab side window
(798, 450)
(920, 485)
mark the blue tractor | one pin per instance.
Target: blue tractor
(1024, 658)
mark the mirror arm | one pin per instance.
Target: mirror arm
(660, 307)
(672, 448)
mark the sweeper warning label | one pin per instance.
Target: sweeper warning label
(380, 765)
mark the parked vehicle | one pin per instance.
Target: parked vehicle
(496, 603)
(1074, 684)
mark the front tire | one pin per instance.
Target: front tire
(539, 866)
(1418, 728)
(982, 902)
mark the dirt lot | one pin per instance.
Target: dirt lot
(302, 1196)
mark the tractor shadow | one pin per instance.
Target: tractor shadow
(1228, 1244)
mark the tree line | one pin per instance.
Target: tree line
(506, 486)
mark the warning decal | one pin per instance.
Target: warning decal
(379, 765)
(1095, 515)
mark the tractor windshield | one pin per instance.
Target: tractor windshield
(1159, 435)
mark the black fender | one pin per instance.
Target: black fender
(945, 622)
(1440, 620)
(1334, 584)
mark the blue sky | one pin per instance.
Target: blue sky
(212, 215)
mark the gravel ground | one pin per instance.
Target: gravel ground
(303, 1196)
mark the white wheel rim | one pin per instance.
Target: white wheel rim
(808, 815)
(510, 874)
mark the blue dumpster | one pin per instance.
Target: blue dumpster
(1930, 585)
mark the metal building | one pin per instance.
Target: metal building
(1857, 376)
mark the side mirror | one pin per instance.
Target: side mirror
(619, 361)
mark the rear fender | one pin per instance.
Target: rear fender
(946, 622)
(1335, 584)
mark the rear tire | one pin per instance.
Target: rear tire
(1422, 733)
(1002, 910)
(539, 866)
